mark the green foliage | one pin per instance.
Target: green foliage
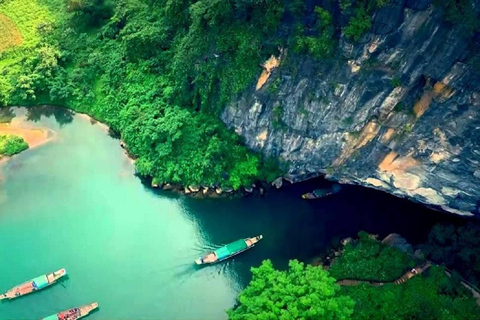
(432, 296)
(320, 45)
(10, 145)
(460, 12)
(274, 86)
(277, 115)
(348, 121)
(399, 107)
(369, 259)
(158, 73)
(456, 247)
(396, 82)
(298, 293)
(360, 16)
(358, 25)
(90, 13)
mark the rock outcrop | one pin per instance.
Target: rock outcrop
(398, 111)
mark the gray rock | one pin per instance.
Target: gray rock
(389, 17)
(194, 188)
(345, 119)
(277, 183)
(397, 241)
(418, 4)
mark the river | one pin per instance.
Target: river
(75, 203)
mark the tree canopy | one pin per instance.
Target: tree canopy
(301, 292)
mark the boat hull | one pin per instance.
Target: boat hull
(74, 313)
(33, 285)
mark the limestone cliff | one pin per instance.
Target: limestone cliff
(398, 111)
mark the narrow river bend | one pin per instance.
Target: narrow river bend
(75, 203)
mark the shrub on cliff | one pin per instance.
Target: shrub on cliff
(461, 13)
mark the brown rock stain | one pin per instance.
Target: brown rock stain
(423, 104)
(268, 67)
(387, 136)
(369, 132)
(393, 161)
(440, 90)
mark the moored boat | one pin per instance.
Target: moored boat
(33, 285)
(229, 250)
(322, 193)
(74, 313)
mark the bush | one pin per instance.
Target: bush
(358, 25)
(369, 259)
(456, 247)
(301, 292)
(10, 145)
(461, 13)
(431, 296)
(321, 45)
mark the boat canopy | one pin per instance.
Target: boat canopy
(320, 192)
(236, 246)
(52, 317)
(222, 252)
(230, 249)
(40, 282)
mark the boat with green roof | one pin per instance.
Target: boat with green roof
(74, 313)
(33, 285)
(229, 250)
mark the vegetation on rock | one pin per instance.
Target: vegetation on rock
(159, 72)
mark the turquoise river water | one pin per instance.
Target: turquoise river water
(75, 203)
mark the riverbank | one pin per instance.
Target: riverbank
(19, 127)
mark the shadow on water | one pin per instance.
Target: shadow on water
(62, 116)
(6, 114)
(294, 228)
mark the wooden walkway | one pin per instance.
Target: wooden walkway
(410, 274)
(407, 276)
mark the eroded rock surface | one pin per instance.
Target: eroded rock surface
(399, 111)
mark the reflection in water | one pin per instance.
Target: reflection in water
(6, 114)
(62, 116)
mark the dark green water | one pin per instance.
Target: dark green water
(74, 203)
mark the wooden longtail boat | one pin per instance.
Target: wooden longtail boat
(33, 285)
(322, 193)
(74, 313)
(229, 250)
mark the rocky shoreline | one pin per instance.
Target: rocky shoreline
(260, 188)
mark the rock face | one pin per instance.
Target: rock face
(398, 111)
